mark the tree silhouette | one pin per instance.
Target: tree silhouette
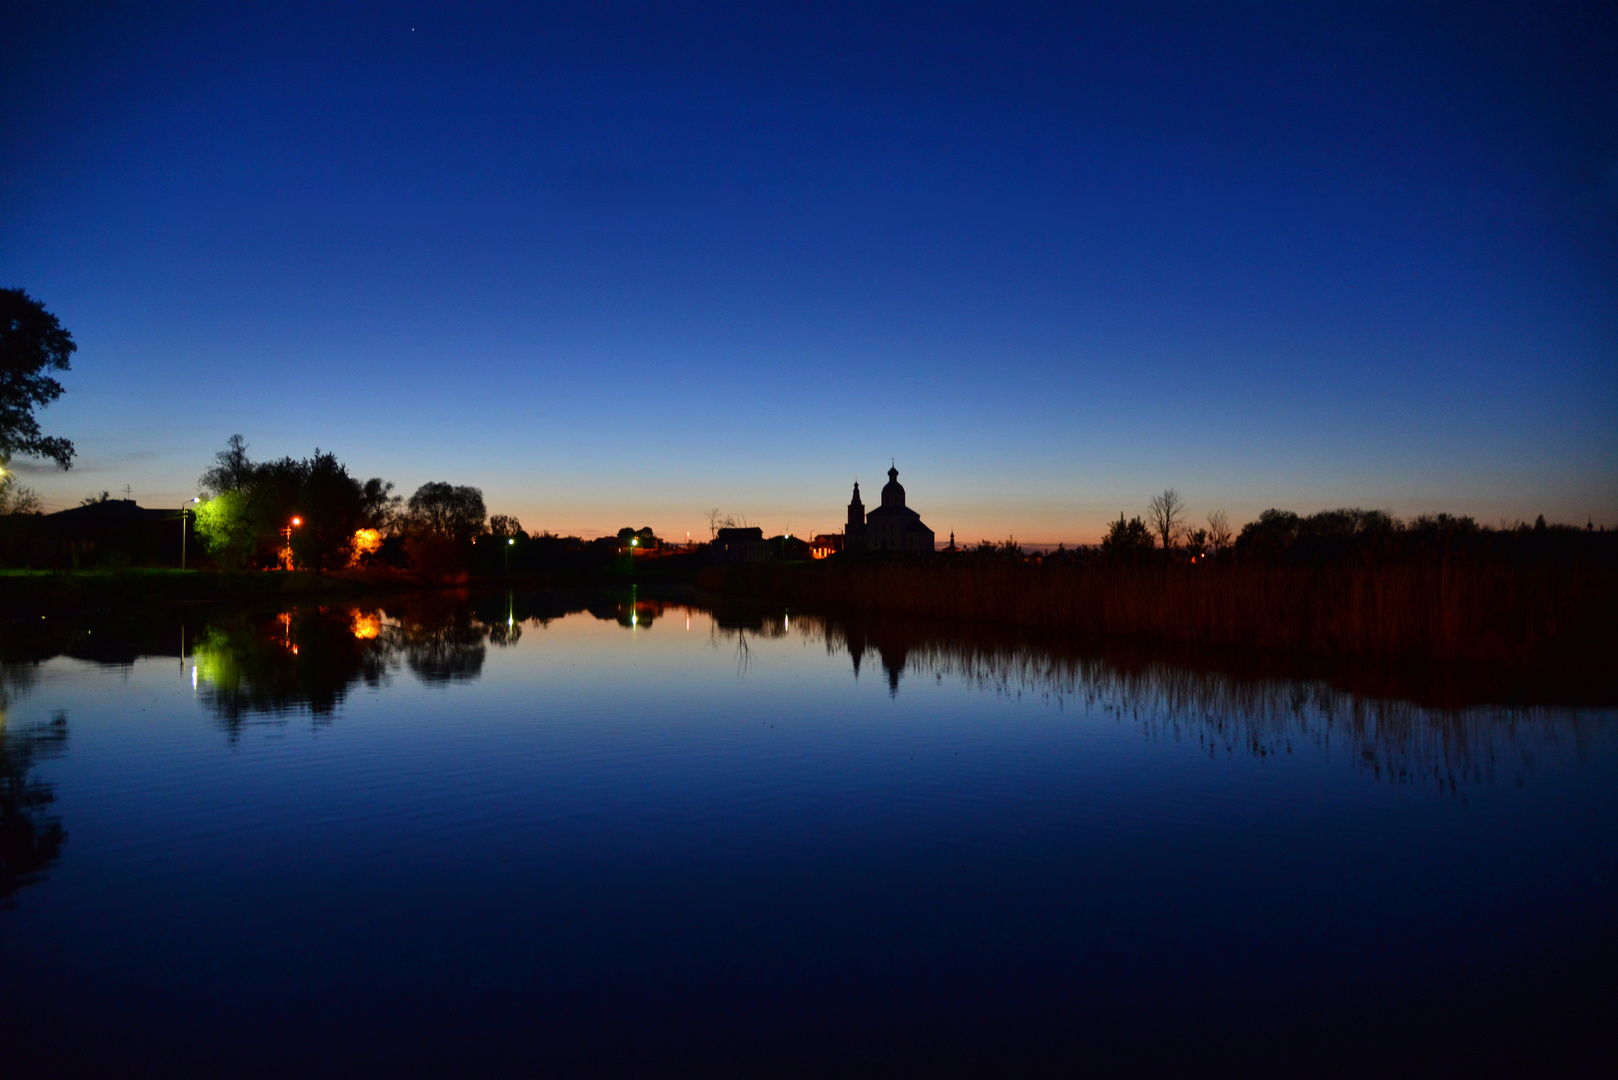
(440, 522)
(1126, 538)
(32, 341)
(444, 512)
(1166, 512)
(232, 469)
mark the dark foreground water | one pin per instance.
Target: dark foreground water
(532, 836)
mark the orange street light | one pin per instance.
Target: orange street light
(288, 531)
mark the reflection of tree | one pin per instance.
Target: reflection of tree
(741, 621)
(30, 836)
(16, 680)
(298, 660)
(308, 659)
(442, 642)
(628, 611)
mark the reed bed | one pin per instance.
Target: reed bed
(1477, 612)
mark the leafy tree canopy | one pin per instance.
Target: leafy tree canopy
(505, 526)
(250, 517)
(643, 537)
(32, 342)
(445, 512)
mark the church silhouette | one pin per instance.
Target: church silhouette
(893, 526)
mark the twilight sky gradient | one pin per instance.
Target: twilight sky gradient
(617, 263)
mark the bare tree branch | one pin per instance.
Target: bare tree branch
(1166, 512)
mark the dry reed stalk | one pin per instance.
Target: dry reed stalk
(1481, 611)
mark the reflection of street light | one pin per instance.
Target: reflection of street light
(183, 509)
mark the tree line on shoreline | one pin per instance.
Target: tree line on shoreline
(1328, 536)
(312, 514)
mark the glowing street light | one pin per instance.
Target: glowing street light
(183, 509)
(297, 521)
(510, 540)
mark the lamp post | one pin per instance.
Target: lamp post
(183, 509)
(288, 530)
(510, 540)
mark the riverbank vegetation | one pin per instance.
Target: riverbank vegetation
(1349, 583)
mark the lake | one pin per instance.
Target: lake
(574, 835)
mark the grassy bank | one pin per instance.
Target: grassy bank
(1448, 612)
(30, 591)
(24, 592)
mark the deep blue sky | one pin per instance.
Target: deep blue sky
(620, 263)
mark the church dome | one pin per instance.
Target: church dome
(893, 493)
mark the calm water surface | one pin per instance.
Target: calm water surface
(540, 836)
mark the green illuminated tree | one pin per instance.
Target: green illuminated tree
(225, 530)
(15, 497)
(249, 518)
(32, 342)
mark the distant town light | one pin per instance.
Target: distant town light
(297, 521)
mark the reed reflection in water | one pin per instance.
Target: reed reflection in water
(309, 659)
(1393, 738)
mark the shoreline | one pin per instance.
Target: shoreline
(34, 592)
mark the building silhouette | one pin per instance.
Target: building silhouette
(739, 545)
(892, 526)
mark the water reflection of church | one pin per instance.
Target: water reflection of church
(893, 526)
(892, 654)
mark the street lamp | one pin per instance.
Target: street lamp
(288, 530)
(183, 509)
(510, 540)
